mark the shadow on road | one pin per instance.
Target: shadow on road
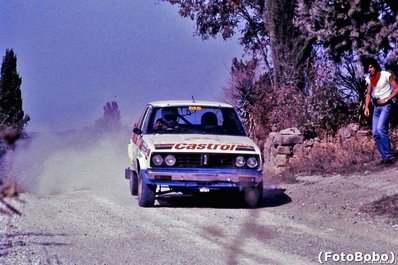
(221, 199)
(275, 197)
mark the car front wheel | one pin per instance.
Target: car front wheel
(146, 194)
(134, 184)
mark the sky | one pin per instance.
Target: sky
(76, 55)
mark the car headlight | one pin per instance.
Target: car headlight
(240, 161)
(170, 160)
(157, 160)
(252, 162)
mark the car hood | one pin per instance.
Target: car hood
(200, 143)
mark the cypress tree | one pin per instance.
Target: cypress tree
(11, 112)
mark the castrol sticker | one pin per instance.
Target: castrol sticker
(204, 146)
(223, 147)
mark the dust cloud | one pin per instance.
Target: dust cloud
(53, 163)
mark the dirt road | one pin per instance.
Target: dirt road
(102, 224)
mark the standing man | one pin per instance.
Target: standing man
(382, 90)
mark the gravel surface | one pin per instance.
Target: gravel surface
(90, 218)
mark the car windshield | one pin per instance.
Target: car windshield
(194, 120)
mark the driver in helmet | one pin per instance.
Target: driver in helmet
(168, 120)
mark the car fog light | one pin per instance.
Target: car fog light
(157, 160)
(240, 161)
(170, 160)
(252, 162)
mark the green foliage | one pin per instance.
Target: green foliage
(352, 88)
(248, 97)
(306, 73)
(226, 18)
(347, 28)
(333, 98)
(242, 84)
(290, 49)
(263, 107)
(327, 110)
(336, 95)
(266, 31)
(11, 112)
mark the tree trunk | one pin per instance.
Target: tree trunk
(270, 19)
(289, 48)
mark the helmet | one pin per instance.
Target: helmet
(209, 119)
(170, 116)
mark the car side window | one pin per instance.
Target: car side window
(142, 119)
(146, 119)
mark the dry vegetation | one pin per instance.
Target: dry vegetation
(386, 206)
(7, 194)
(337, 158)
(8, 186)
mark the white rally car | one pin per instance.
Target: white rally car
(190, 146)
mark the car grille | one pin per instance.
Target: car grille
(210, 160)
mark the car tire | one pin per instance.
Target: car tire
(253, 196)
(134, 184)
(146, 194)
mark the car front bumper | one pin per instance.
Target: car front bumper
(202, 177)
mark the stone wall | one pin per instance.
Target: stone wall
(283, 146)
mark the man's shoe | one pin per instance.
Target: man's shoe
(389, 160)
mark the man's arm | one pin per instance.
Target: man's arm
(367, 100)
(159, 125)
(394, 86)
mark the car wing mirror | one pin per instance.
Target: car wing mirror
(137, 131)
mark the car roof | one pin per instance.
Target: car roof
(176, 103)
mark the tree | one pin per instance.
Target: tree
(349, 28)
(225, 18)
(110, 120)
(11, 112)
(267, 30)
(242, 91)
(290, 49)
(289, 36)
